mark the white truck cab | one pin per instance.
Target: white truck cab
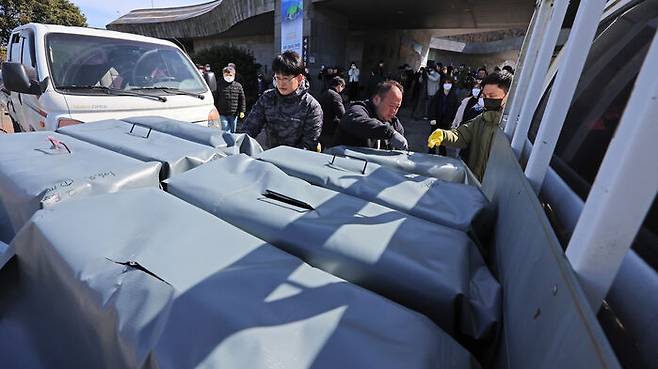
(57, 76)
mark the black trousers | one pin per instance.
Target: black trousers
(353, 91)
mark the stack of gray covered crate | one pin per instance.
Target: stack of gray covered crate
(428, 165)
(41, 169)
(139, 278)
(228, 143)
(177, 155)
(428, 267)
(152, 282)
(456, 205)
(179, 146)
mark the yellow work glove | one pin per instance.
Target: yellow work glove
(241, 115)
(318, 148)
(435, 138)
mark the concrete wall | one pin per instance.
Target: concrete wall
(481, 37)
(399, 47)
(328, 37)
(476, 60)
(354, 48)
(327, 33)
(261, 46)
(331, 42)
(477, 47)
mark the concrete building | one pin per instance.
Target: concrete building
(342, 31)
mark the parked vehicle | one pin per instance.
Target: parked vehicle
(56, 76)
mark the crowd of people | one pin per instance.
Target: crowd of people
(462, 107)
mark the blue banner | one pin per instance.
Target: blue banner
(292, 25)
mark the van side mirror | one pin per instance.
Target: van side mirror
(16, 79)
(210, 80)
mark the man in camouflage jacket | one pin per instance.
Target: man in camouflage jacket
(289, 114)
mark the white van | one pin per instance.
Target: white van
(57, 76)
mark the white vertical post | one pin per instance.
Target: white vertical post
(623, 190)
(523, 55)
(531, 44)
(571, 66)
(533, 93)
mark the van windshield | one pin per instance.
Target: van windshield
(77, 61)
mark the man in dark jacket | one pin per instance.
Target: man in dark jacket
(373, 123)
(289, 114)
(230, 101)
(377, 76)
(332, 110)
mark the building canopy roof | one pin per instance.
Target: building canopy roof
(158, 15)
(218, 16)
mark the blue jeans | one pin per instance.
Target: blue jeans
(229, 123)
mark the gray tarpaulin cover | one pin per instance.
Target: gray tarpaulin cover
(34, 173)
(425, 266)
(150, 281)
(455, 205)
(230, 143)
(441, 167)
(4, 254)
(177, 155)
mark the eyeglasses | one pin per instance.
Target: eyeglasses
(283, 79)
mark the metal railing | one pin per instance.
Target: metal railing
(627, 181)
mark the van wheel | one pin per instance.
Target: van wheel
(17, 127)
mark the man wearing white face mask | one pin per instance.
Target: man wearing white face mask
(230, 101)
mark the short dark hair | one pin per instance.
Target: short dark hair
(336, 81)
(509, 69)
(384, 87)
(502, 79)
(288, 63)
(484, 69)
(471, 82)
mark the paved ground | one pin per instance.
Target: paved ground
(416, 131)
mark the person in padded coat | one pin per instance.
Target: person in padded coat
(443, 106)
(230, 100)
(288, 113)
(332, 110)
(373, 123)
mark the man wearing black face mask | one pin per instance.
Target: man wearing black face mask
(477, 134)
